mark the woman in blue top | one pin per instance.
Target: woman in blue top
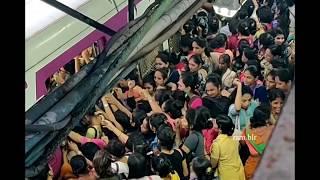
(243, 105)
(251, 79)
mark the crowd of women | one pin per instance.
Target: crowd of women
(230, 78)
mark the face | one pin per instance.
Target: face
(158, 78)
(212, 90)
(245, 101)
(194, 67)
(249, 80)
(197, 49)
(159, 64)
(270, 82)
(276, 105)
(144, 127)
(279, 39)
(268, 56)
(281, 85)
(181, 85)
(222, 65)
(148, 87)
(96, 119)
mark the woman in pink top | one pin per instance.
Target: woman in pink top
(187, 83)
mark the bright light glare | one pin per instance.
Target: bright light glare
(39, 14)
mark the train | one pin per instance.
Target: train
(54, 38)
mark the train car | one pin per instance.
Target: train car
(53, 38)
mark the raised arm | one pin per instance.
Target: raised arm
(109, 114)
(113, 101)
(154, 105)
(121, 136)
(237, 101)
(76, 137)
(77, 64)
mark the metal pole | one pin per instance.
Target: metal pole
(80, 17)
(131, 10)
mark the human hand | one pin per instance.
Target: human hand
(131, 84)
(236, 82)
(107, 124)
(73, 146)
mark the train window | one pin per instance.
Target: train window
(72, 67)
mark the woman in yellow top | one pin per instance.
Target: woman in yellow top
(225, 151)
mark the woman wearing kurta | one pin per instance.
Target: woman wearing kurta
(225, 151)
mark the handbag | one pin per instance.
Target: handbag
(237, 129)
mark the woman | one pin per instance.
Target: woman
(149, 84)
(195, 66)
(242, 109)
(227, 74)
(155, 121)
(160, 78)
(117, 152)
(163, 167)
(138, 168)
(276, 98)
(166, 138)
(251, 79)
(272, 53)
(201, 169)
(248, 54)
(199, 46)
(219, 47)
(197, 121)
(162, 62)
(173, 108)
(265, 40)
(187, 84)
(76, 137)
(249, 57)
(283, 80)
(237, 64)
(102, 163)
(80, 168)
(95, 131)
(217, 104)
(256, 138)
(270, 81)
(225, 151)
(244, 31)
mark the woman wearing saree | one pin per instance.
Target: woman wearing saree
(256, 138)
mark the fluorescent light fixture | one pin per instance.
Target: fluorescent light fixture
(39, 14)
(227, 8)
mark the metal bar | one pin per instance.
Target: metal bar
(80, 17)
(131, 9)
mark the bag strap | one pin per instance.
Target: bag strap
(237, 122)
(197, 141)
